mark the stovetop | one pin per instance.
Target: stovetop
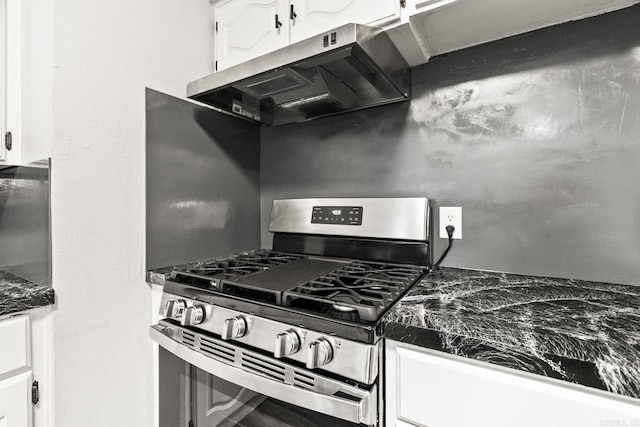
(336, 289)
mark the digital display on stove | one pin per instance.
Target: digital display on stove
(343, 215)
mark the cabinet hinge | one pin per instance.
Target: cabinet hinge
(403, 3)
(8, 140)
(35, 393)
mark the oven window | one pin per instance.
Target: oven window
(219, 403)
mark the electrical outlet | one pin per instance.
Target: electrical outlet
(451, 216)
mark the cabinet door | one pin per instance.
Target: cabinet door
(312, 17)
(246, 29)
(3, 79)
(15, 408)
(434, 389)
(26, 61)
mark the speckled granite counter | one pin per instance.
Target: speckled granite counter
(583, 332)
(17, 294)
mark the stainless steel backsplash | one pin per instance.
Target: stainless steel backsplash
(202, 182)
(25, 229)
(537, 137)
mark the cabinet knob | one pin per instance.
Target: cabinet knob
(278, 23)
(293, 15)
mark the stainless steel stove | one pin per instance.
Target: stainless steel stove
(301, 323)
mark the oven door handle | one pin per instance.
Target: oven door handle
(355, 411)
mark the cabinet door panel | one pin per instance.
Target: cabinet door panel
(315, 16)
(247, 29)
(14, 401)
(14, 341)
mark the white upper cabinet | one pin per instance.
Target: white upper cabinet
(447, 25)
(9, 105)
(26, 77)
(3, 73)
(246, 29)
(312, 17)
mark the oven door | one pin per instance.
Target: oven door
(233, 386)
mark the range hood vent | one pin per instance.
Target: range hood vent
(345, 69)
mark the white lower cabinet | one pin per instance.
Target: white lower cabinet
(15, 372)
(427, 388)
(25, 356)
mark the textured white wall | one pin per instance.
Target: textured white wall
(105, 53)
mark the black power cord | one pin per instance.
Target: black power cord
(450, 229)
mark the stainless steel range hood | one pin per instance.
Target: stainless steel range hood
(345, 69)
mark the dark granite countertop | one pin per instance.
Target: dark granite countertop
(583, 332)
(18, 294)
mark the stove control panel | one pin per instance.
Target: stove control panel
(343, 215)
(287, 343)
(319, 353)
(317, 350)
(233, 328)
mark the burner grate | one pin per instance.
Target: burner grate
(351, 290)
(211, 273)
(359, 291)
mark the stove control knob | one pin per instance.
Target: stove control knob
(319, 354)
(192, 315)
(233, 328)
(174, 308)
(287, 343)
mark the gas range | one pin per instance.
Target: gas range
(276, 301)
(312, 305)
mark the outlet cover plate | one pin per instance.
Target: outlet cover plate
(450, 216)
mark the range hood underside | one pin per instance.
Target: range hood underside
(363, 72)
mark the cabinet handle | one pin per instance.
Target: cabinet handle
(278, 23)
(35, 393)
(293, 15)
(8, 140)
